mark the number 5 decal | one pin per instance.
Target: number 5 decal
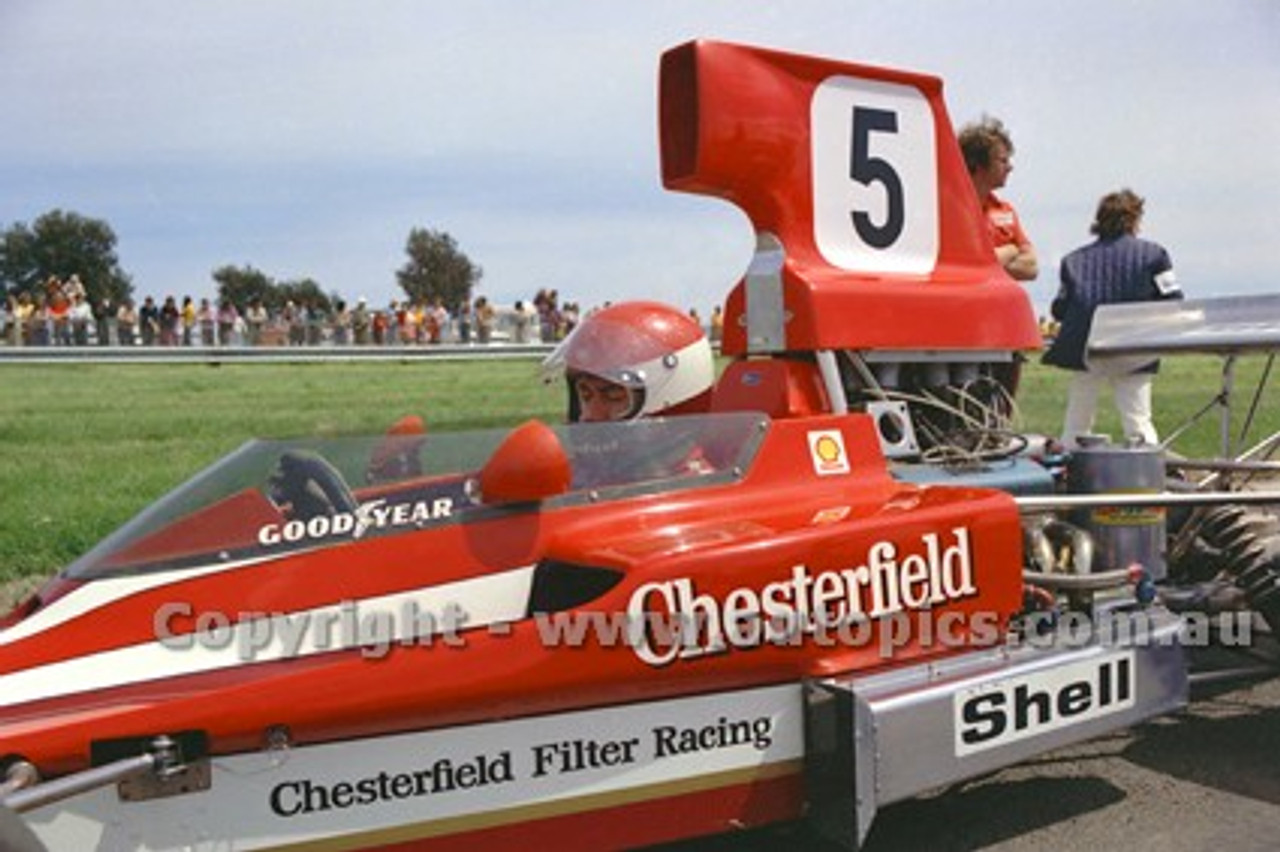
(875, 182)
(866, 168)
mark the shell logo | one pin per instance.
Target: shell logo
(826, 448)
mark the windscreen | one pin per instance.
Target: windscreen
(274, 497)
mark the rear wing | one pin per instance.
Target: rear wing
(1230, 325)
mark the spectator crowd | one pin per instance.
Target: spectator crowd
(62, 314)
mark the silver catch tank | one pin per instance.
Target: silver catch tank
(1122, 536)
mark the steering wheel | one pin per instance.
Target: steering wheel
(310, 485)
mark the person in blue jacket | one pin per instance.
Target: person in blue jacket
(1116, 267)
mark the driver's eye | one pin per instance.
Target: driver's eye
(588, 390)
(614, 394)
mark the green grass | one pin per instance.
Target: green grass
(84, 448)
(1183, 387)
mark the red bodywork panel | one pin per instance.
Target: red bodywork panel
(778, 387)
(740, 123)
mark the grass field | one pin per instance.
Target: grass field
(83, 448)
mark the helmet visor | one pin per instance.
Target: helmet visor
(601, 400)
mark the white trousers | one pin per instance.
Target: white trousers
(1132, 392)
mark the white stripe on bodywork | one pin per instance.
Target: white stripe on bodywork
(492, 599)
(507, 772)
(108, 590)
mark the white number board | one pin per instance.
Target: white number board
(875, 180)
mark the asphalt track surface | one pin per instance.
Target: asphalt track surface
(1206, 778)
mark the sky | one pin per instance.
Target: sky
(306, 138)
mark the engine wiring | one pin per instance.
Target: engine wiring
(977, 425)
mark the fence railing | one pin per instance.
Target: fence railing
(265, 354)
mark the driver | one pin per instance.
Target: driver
(634, 359)
(626, 362)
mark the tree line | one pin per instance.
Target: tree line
(60, 243)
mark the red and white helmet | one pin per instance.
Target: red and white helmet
(657, 352)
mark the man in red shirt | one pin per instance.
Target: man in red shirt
(988, 153)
